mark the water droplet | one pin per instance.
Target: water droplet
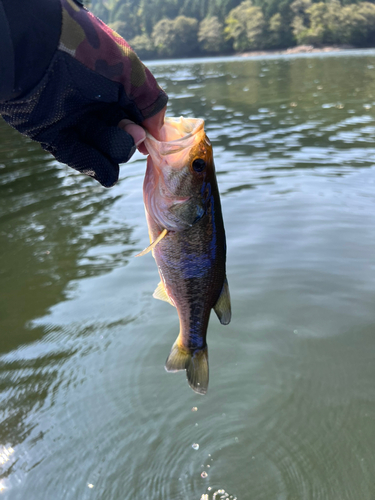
(195, 408)
(196, 425)
(236, 439)
(208, 466)
(195, 446)
(90, 485)
(293, 104)
(209, 488)
(295, 331)
(204, 474)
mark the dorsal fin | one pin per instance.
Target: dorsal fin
(222, 307)
(161, 293)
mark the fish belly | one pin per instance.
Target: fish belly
(192, 267)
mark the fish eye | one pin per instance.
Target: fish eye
(199, 165)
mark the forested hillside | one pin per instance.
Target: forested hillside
(182, 28)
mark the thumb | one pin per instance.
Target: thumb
(136, 131)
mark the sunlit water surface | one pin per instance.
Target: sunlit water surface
(87, 410)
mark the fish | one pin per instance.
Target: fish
(186, 230)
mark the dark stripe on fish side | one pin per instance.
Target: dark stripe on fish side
(203, 274)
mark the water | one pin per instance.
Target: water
(87, 410)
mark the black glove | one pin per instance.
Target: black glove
(93, 81)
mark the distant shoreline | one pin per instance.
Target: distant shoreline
(299, 49)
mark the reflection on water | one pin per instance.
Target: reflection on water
(86, 408)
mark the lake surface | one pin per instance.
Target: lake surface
(87, 410)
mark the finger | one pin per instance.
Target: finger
(155, 123)
(86, 159)
(136, 131)
(142, 149)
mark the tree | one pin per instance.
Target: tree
(275, 31)
(194, 8)
(150, 12)
(143, 46)
(177, 28)
(221, 8)
(358, 24)
(300, 8)
(127, 14)
(245, 25)
(301, 21)
(176, 38)
(163, 37)
(210, 35)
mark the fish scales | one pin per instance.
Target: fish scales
(183, 207)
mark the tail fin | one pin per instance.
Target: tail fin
(194, 362)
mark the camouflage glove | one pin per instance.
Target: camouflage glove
(93, 81)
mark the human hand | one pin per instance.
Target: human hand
(94, 82)
(153, 125)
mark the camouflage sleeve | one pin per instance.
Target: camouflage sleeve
(73, 87)
(102, 50)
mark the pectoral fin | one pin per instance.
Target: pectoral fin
(161, 294)
(153, 244)
(222, 307)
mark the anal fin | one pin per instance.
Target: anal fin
(222, 307)
(161, 294)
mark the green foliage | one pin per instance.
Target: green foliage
(358, 24)
(194, 8)
(210, 35)
(152, 11)
(178, 28)
(126, 23)
(276, 31)
(245, 25)
(176, 38)
(331, 23)
(143, 46)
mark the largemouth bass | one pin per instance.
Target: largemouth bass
(187, 237)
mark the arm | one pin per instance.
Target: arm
(72, 99)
